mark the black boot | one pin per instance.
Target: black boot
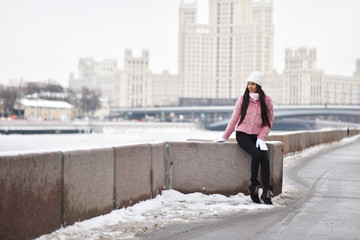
(267, 195)
(254, 192)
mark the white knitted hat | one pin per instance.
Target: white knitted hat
(255, 77)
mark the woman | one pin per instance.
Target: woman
(252, 120)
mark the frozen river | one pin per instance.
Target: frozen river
(13, 144)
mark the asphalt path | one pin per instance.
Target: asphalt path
(327, 207)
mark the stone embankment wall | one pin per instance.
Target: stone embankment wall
(297, 141)
(42, 192)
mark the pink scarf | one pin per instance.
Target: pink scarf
(254, 96)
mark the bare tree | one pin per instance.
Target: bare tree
(32, 87)
(90, 101)
(8, 98)
(53, 87)
(39, 87)
(74, 98)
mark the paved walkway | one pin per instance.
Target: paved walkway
(328, 209)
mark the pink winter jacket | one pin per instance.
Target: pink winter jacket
(252, 123)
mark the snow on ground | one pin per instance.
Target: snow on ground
(169, 208)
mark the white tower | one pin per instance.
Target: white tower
(215, 59)
(135, 81)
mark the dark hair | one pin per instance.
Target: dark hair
(264, 109)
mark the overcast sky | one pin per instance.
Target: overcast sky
(44, 39)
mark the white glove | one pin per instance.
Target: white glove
(261, 143)
(220, 140)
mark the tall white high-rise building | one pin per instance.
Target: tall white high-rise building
(134, 82)
(216, 58)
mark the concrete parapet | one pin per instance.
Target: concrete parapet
(293, 142)
(327, 136)
(275, 153)
(133, 183)
(282, 138)
(302, 142)
(298, 141)
(157, 171)
(30, 199)
(353, 132)
(218, 168)
(309, 139)
(340, 135)
(209, 167)
(88, 184)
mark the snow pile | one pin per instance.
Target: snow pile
(169, 208)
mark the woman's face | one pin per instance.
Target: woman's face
(252, 87)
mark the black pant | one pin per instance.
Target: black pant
(248, 143)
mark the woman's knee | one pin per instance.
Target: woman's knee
(264, 157)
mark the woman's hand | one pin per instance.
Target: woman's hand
(261, 143)
(220, 140)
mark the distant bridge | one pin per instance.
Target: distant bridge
(217, 117)
(283, 113)
(311, 110)
(280, 111)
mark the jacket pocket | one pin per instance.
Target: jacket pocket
(258, 120)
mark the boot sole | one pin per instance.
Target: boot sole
(268, 202)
